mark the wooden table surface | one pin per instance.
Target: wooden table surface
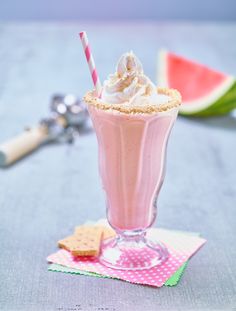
(45, 195)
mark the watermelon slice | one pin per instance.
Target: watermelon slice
(205, 92)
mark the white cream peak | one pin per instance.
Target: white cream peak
(129, 84)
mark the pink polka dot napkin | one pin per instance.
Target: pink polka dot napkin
(181, 247)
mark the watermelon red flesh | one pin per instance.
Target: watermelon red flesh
(204, 91)
(182, 75)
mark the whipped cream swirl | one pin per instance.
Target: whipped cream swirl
(129, 84)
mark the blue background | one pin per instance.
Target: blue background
(121, 9)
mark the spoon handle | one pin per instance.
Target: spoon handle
(21, 145)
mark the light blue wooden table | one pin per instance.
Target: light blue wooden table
(45, 195)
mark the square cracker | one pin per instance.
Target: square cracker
(86, 241)
(107, 231)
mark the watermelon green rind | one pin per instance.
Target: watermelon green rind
(218, 112)
(208, 102)
(223, 105)
(221, 100)
(213, 113)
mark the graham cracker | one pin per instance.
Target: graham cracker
(86, 241)
(107, 231)
(175, 101)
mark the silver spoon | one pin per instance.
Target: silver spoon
(68, 115)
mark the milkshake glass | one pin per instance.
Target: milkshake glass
(132, 142)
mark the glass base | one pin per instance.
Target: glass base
(132, 252)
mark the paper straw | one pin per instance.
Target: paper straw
(91, 63)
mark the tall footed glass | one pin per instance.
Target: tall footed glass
(132, 144)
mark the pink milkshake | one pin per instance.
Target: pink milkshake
(132, 120)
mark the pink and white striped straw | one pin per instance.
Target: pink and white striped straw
(91, 63)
